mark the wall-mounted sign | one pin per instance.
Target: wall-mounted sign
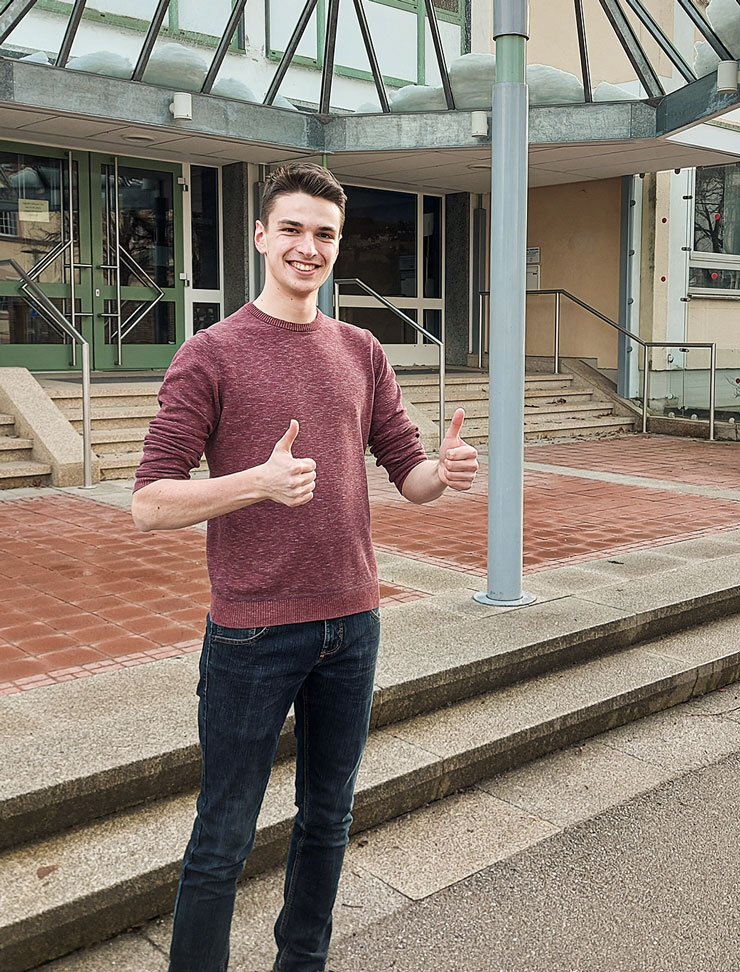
(33, 210)
(533, 254)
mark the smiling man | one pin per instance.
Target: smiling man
(284, 402)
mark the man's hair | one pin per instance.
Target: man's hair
(307, 177)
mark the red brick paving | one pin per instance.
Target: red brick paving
(83, 592)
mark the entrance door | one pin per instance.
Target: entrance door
(138, 280)
(41, 227)
(123, 289)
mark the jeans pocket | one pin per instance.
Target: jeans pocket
(375, 614)
(221, 635)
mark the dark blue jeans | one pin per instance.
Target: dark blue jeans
(249, 678)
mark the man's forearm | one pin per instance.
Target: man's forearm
(422, 485)
(169, 504)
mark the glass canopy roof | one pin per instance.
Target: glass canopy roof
(648, 47)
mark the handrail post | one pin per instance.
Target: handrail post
(87, 482)
(645, 386)
(441, 348)
(480, 330)
(336, 300)
(712, 388)
(556, 349)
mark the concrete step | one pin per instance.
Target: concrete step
(7, 424)
(119, 466)
(24, 472)
(13, 448)
(417, 391)
(117, 441)
(532, 409)
(555, 427)
(88, 883)
(67, 395)
(114, 417)
(56, 789)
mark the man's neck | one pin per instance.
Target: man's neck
(286, 307)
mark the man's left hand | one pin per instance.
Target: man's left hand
(458, 461)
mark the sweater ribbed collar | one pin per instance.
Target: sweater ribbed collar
(313, 325)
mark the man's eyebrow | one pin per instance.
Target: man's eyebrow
(295, 222)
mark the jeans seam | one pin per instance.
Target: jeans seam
(340, 641)
(290, 896)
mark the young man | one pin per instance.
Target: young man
(283, 400)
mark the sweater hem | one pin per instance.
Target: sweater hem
(254, 614)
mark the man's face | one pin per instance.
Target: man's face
(300, 242)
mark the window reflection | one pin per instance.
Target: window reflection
(379, 241)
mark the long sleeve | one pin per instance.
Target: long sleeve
(188, 414)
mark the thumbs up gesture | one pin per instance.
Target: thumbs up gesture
(285, 479)
(458, 461)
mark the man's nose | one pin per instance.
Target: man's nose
(307, 245)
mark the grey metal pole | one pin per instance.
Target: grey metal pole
(556, 349)
(507, 307)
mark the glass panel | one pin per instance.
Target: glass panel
(34, 217)
(384, 324)
(716, 278)
(379, 241)
(433, 324)
(204, 200)
(679, 383)
(717, 210)
(22, 323)
(204, 315)
(432, 246)
(157, 326)
(147, 220)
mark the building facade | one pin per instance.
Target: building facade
(136, 223)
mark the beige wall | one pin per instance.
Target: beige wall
(577, 228)
(554, 38)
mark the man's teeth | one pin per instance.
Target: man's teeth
(304, 266)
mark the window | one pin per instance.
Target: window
(715, 258)
(398, 28)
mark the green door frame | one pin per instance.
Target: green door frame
(134, 356)
(56, 357)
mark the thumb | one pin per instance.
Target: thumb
(456, 424)
(289, 438)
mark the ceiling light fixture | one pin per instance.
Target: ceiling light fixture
(142, 137)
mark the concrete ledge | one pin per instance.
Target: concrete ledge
(117, 872)
(55, 441)
(71, 769)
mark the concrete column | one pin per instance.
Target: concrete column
(238, 232)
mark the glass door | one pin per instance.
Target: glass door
(138, 277)
(44, 233)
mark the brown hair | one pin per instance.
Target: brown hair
(307, 177)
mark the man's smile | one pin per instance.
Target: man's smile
(304, 267)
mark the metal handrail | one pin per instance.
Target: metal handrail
(37, 297)
(559, 293)
(418, 327)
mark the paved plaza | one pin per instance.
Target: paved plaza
(85, 593)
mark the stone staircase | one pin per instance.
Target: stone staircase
(17, 465)
(120, 416)
(555, 406)
(94, 831)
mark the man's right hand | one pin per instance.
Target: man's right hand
(285, 479)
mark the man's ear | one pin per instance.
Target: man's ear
(259, 236)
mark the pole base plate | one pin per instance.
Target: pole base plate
(526, 598)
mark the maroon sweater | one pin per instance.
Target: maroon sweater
(231, 392)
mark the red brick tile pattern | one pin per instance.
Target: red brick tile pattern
(82, 592)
